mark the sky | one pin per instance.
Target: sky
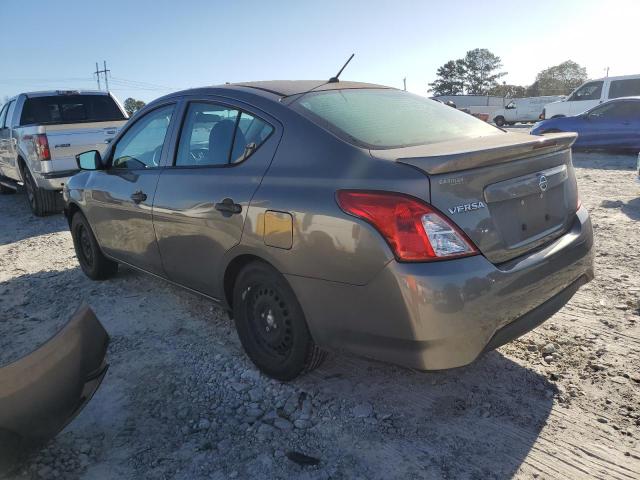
(155, 47)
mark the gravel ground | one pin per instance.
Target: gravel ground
(182, 401)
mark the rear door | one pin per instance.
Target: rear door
(202, 196)
(120, 198)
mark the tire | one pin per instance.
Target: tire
(271, 324)
(41, 201)
(499, 121)
(91, 259)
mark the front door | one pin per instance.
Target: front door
(120, 198)
(586, 97)
(202, 196)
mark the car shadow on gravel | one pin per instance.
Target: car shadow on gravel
(631, 208)
(479, 421)
(22, 224)
(605, 160)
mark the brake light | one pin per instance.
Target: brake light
(414, 230)
(41, 144)
(543, 114)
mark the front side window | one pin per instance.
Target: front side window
(216, 135)
(141, 146)
(624, 88)
(387, 118)
(619, 110)
(3, 114)
(589, 91)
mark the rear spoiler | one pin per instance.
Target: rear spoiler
(43, 391)
(487, 151)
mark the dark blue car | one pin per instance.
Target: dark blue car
(612, 125)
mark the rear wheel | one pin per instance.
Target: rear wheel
(41, 201)
(271, 324)
(499, 121)
(92, 261)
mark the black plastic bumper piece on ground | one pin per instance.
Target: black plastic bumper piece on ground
(535, 317)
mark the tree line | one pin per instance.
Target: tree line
(479, 72)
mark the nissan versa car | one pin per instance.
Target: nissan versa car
(339, 216)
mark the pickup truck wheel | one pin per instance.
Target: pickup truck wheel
(271, 324)
(92, 261)
(499, 121)
(41, 201)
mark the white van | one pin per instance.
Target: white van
(522, 110)
(592, 93)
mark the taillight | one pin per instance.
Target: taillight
(41, 145)
(543, 114)
(414, 230)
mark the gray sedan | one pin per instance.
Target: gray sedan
(339, 216)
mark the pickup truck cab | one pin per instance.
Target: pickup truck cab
(522, 110)
(40, 134)
(591, 94)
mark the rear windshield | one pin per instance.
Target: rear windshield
(380, 118)
(59, 109)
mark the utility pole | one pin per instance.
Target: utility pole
(97, 73)
(105, 71)
(404, 81)
(106, 81)
(607, 72)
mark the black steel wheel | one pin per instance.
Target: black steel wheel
(91, 259)
(271, 324)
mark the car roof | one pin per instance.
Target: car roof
(287, 88)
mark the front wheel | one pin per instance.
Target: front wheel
(92, 261)
(271, 324)
(499, 121)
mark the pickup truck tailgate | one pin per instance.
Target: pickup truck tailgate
(66, 141)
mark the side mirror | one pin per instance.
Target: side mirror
(91, 160)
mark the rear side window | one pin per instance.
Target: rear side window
(386, 118)
(219, 135)
(624, 88)
(59, 109)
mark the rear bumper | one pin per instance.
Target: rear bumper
(444, 314)
(45, 390)
(54, 180)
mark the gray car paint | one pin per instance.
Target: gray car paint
(43, 391)
(333, 253)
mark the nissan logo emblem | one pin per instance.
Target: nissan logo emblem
(542, 183)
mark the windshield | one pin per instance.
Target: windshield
(386, 118)
(58, 109)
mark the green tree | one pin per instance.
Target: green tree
(559, 79)
(482, 75)
(131, 105)
(511, 91)
(474, 74)
(450, 79)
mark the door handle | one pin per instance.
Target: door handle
(227, 206)
(138, 197)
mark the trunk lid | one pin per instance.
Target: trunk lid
(509, 193)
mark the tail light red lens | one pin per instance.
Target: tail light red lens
(41, 144)
(415, 231)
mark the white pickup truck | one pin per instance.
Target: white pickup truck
(40, 134)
